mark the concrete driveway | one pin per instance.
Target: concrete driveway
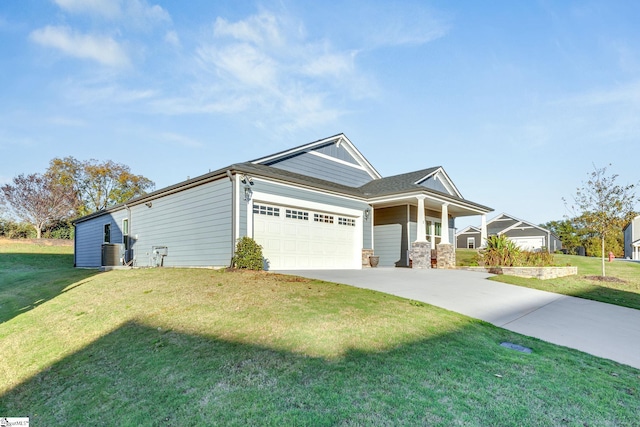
(600, 329)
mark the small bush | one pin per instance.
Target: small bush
(248, 254)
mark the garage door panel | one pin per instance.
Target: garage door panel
(294, 243)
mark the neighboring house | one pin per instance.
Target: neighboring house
(469, 238)
(321, 205)
(526, 235)
(632, 239)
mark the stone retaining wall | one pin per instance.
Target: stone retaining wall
(542, 273)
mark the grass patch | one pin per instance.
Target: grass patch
(201, 347)
(623, 291)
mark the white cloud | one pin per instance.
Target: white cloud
(106, 8)
(102, 49)
(267, 68)
(172, 38)
(137, 13)
(180, 140)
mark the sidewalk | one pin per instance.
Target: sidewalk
(603, 330)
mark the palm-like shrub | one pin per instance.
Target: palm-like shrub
(500, 251)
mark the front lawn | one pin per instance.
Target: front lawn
(203, 347)
(622, 287)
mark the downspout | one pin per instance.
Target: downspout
(128, 250)
(234, 212)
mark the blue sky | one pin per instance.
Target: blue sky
(517, 100)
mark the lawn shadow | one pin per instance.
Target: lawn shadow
(609, 295)
(143, 375)
(30, 279)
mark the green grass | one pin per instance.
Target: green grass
(625, 292)
(202, 347)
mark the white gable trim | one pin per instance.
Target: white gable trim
(338, 139)
(444, 178)
(468, 229)
(520, 224)
(333, 159)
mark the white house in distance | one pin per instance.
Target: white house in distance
(526, 235)
(632, 239)
(321, 205)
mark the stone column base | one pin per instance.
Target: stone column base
(420, 255)
(446, 256)
(366, 253)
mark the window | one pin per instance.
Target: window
(471, 242)
(266, 210)
(347, 221)
(293, 214)
(107, 233)
(323, 218)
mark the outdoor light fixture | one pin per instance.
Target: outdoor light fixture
(148, 204)
(247, 193)
(366, 213)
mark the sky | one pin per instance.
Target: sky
(517, 100)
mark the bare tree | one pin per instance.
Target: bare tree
(38, 200)
(605, 206)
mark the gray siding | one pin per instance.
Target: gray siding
(435, 184)
(388, 244)
(318, 167)
(195, 224)
(388, 216)
(631, 234)
(301, 194)
(338, 152)
(461, 240)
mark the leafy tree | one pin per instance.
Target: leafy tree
(98, 185)
(38, 200)
(567, 232)
(605, 206)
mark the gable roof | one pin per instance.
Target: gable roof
(515, 223)
(440, 174)
(468, 229)
(339, 139)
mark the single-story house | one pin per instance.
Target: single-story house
(526, 235)
(321, 205)
(632, 239)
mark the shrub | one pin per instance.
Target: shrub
(500, 251)
(248, 254)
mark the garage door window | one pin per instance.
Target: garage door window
(347, 221)
(293, 214)
(323, 218)
(266, 210)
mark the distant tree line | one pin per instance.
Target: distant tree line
(43, 205)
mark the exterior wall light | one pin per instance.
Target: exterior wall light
(247, 193)
(367, 212)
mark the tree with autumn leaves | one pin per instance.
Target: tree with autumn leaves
(71, 188)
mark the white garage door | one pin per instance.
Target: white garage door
(296, 238)
(529, 243)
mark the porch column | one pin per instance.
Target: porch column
(422, 225)
(444, 224)
(420, 254)
(483, 231)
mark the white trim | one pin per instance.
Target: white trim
(410, 196)
(293, 202)
(250, 218)
(236, 210)
(334, 159)
(305, 188)
(447, 182)
(339, 139)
